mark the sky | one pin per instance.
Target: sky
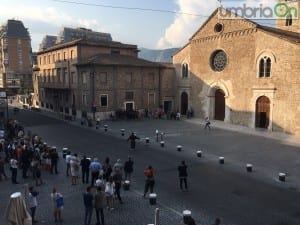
(146, 23)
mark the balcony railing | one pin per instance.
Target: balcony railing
(54, 85)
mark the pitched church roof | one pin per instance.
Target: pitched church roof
(287, 35)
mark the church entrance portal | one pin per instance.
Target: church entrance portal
(219, 105)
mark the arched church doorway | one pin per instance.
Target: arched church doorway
(219, 105)
(262, 112)
(184, 103)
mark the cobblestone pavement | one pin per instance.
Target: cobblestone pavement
(279, 155)
(135, 211)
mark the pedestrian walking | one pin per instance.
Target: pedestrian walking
(128, 168)
(88, 204)
(207, 123)
(132, 138)
(85, 169)
(14, 169)
(182, 173)
(68, 162)
(100, 205)
(33, 203)
(149, 182)
(117, 178)
(95, 168)
(57, 204)
(75, 164)
(2, 169)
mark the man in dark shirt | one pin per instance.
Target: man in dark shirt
(85, 169)
(88, 204)
(182, 173)
(54, 159)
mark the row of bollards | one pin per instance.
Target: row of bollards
(249, 167)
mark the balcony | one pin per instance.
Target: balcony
(54, 85)
(13, 83)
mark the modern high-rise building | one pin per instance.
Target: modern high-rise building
(15, 58)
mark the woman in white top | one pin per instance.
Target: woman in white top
(74, 164)
(56, 209)
(109, 192)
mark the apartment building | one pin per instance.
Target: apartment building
(15, 58)
(83, 76)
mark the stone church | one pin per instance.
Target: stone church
(240, 72)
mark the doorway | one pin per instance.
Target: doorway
(219, 105)
(184, 103)
(262, 112)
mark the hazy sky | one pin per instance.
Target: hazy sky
(156, 28)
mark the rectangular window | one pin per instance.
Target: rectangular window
(72, 54)
(103, 77)
(65, 56)
(53, 58)
(49, 59)
(65, 73)
(58, 56)
(104, 100)
(84, 101)
(128, 77)
(151, 79)
(58, 75)
(84, 77)
(129, 95)
(151, 99)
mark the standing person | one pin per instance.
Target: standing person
(95, 168)
(14, 169)
(32, 202)
(128, 168)
(182, 173)
(2, 170)
(107, 169)
(217, 221)
(85, 169)
(54, 159)
(132, 139)
(75, 164)
(207, 123)
(88, 204)
(68, 162)
(117, 177)
(109, 192)
(118, 165)
(149, 182)
(25, 161)
(99, 205)
(57, 203)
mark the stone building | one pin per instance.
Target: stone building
(83, 76)
(15, 58)
(240, 72)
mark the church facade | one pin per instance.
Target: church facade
(240, 72)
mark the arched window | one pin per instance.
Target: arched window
(185, 70)
(264, 67)
(289, 20)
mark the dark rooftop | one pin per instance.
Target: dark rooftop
(14, 29)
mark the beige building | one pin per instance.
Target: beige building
(240, 72)
(81, 76)
(15, 58)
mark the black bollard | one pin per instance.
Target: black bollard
(199, 154)
(105, 127)
(221, 160)
(249, 168)
(162, 144)
(282, 177)
(179, 148)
